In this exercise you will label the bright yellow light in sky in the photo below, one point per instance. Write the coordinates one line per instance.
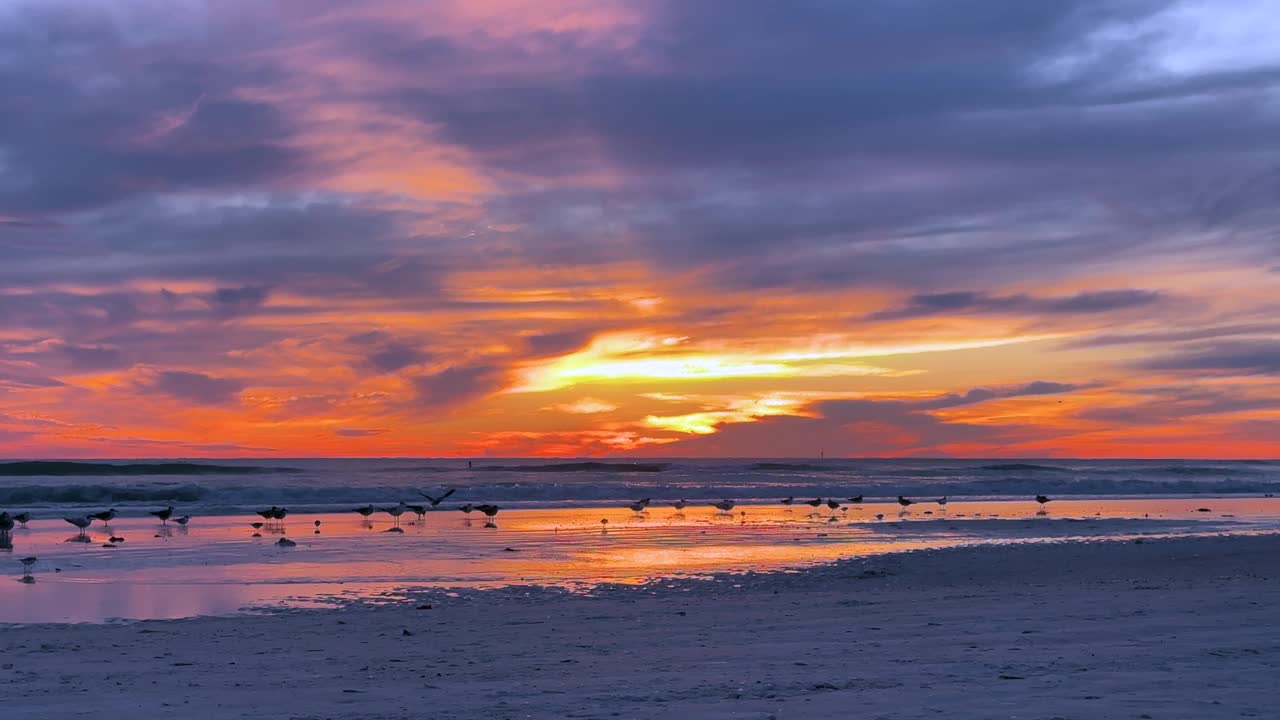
(626, 357)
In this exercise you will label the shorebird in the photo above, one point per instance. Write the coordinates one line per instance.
(279, 514)
(106, 516)
(268, 513)
(23, 518)
(679, 505)
(490, 511)
(724, 506)
(365, 511)
(832, 504)
(1042, 500)
(856, 499)
(396, 512)
(419, 510)
(164, 514)
(814, 502)
(80, 522)
(467, 508)
(638, 506)
(435, 501)
(27, 562)
(788, 500)
(905, 503)
(183, 520)
(942, 502)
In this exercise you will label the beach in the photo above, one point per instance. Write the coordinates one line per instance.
(1172, 628)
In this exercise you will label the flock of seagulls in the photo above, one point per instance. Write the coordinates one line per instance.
(273, 517)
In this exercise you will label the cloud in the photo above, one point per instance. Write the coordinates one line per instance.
(959, 303)
(456, 385)
(359, 432)
(585, 406)
(195, 387)
(1261, 357)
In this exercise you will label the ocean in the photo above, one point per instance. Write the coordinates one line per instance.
(327, 485)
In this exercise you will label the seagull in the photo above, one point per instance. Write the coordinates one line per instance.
(365, 511)
(467, 508)
(788, 500)
(396, 512)
(1042, 500)
(490, 511)
(814, 502)
(942, 501)
(435, 501)
(27, 562)
(23, 518)
(183, 520)
(833, 504)
(856, 499)
(418, 510)
(724, 506)
(904, 502)
(638, 506)
(80, 522)
(278, 513)
(267, 514)
(164, 514)
(679, 505)
(106, 516)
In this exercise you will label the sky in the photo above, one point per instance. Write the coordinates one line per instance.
(639, 228)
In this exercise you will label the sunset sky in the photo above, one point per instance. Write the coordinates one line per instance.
(676, 228)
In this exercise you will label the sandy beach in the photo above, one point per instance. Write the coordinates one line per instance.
(1180, 628)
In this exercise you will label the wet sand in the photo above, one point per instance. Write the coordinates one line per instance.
(1180, 628)
(215, 566)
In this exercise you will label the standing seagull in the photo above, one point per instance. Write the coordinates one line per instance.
(106, 516)
(1043, 500)
(365, 511)
(679, 505)
(419, 510)
(23, 518)
(396, 512)
(832, 504)
(788, 500)
(856, 499)
(639, 506)
(942, 502)
(279, 514)
(164, 514)
(724, 506)
(183, 520)
(490, 511)
(435, 501)
(80, 522)
(905, 503)
(467, 509)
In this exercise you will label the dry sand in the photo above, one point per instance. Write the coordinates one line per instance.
(1185, 628)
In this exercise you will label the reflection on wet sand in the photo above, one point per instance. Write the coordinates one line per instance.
(215, 566)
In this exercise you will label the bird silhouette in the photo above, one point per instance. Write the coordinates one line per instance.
(856, 499)
(80, 522)
(435, 501)
(164, 514)
(105, 516)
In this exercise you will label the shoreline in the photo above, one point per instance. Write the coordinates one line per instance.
(1177, 628)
